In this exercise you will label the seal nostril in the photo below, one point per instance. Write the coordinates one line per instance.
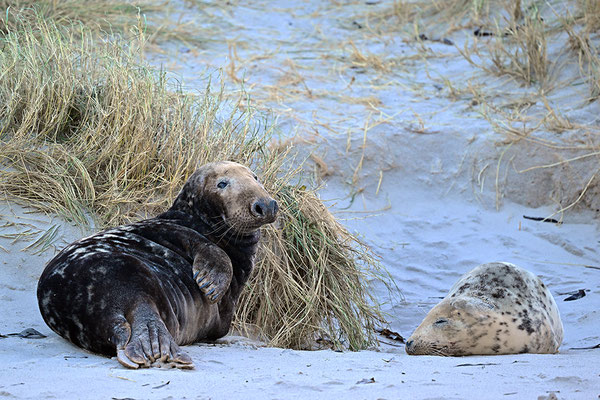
(258, 209)
(265, 209)
(409, 344)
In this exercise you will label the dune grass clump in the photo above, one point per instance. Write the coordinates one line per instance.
(590, 14)
(103, 15)
(89, 133)
(517, 47)
(516, 33)
(521, 50)
(583, 46)
(87, 130)
(314, 287)
(454, 12)
(159, 20)
(431, 18)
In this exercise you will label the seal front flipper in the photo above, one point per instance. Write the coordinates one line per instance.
(212, 271)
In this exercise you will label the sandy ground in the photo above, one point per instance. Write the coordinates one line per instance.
(423, 198)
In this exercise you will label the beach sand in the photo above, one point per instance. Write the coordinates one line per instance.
(421, 177)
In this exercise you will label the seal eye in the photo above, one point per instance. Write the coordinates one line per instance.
(255, 178)
(222, 184)
(441, 321)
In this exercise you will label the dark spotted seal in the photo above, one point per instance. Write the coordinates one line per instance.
(139, 291)
(497, 308)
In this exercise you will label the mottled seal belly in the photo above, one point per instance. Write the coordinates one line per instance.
(138, 291)
(497, 308)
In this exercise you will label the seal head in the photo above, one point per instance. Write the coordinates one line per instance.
(228, 197)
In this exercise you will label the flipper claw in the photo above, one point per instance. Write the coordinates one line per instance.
(206, 284)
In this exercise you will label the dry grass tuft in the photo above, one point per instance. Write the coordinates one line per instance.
(590, 14)
(128, 18)
(453, 14)
(103, 15)
(518, 47)
(314, 288)
(364, 59)
(88, 132)
(587, 55)
(521, 50)
(84, 127)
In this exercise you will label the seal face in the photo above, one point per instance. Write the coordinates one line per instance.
(497, 308)
(141, 290)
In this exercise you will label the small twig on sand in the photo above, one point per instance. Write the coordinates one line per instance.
(542, 219)
(585, 348)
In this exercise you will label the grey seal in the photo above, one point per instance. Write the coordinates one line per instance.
(497, 308)
(139, 291)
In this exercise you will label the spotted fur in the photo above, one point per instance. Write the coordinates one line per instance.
(139, 291)
(497, 308)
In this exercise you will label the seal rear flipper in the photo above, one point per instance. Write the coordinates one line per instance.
(212, 271)
(146, 342)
